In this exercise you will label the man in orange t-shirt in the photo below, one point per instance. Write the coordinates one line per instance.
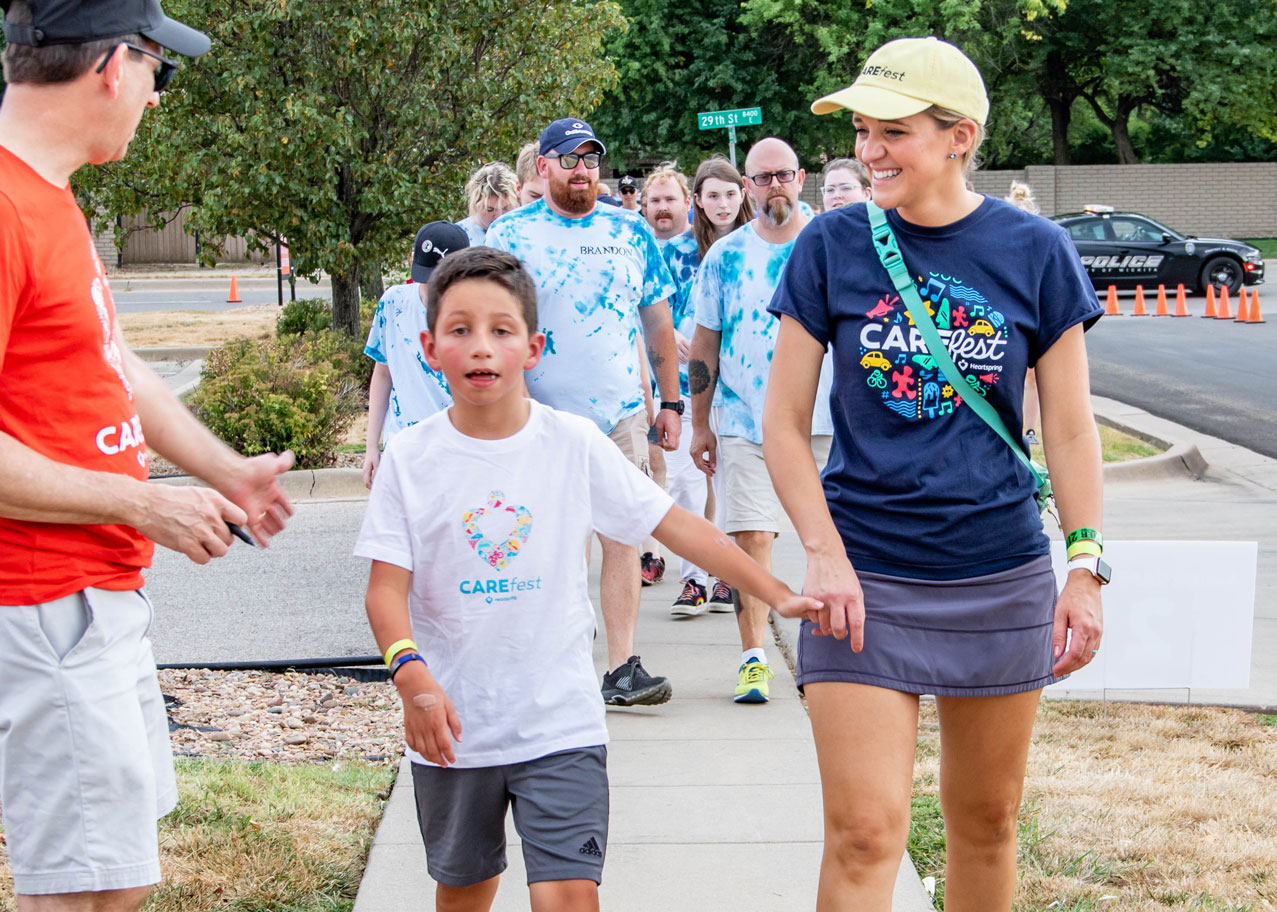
(85, 766)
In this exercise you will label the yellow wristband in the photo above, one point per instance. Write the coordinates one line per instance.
(396, 647)
(1085, 546)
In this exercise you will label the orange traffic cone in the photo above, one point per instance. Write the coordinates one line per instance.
(1181, 301)
(1255, 315)
(1211, 313)
(1243, 310)
(232, 297)
(1162, 310)
(1110, 308)
(1225, 312)
(1139, 302)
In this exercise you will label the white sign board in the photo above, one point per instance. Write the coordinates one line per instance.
(1177, 614)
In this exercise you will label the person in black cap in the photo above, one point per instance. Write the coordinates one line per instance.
(628, 188)
(85, 764)
(404, 389)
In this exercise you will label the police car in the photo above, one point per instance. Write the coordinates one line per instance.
(1125, 250)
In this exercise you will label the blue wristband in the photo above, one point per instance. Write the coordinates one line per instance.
(403, 660)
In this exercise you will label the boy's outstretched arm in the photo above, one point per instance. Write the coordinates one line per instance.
(430, 722)
(696, 539)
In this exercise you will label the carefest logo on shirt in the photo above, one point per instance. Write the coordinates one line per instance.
(895, 358)
(497, 532)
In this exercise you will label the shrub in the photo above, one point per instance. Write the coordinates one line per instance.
(274, 395)
(305, 315)
(312, 319)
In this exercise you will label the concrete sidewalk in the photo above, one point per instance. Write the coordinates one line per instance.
(715, 805)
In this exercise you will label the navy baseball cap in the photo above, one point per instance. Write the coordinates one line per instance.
(434, 242)
(566, 135)
(81, 21)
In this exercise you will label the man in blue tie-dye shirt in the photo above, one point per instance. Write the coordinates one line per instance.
(731, 355)
(599, 273)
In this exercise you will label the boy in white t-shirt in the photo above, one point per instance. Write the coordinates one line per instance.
(476, 528)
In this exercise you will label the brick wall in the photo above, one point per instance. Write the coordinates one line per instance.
(1229, 200)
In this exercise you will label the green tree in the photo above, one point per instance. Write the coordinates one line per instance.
(996, 34)
(678, 57)
(342, 125)
(1209, 64)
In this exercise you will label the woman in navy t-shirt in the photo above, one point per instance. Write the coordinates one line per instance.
(925, 544)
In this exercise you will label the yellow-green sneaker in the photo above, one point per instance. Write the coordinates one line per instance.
(751, 685)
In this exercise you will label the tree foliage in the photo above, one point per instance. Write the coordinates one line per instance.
(1210, 65)
(343, 125)
(680, 57)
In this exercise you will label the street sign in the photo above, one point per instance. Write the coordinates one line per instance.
(741, 117)
(713, 120)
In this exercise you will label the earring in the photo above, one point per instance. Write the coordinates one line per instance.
(953, 155)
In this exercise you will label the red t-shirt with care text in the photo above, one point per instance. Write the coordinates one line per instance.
(63, 391)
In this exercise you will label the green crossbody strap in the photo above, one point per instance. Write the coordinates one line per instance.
(892, 260)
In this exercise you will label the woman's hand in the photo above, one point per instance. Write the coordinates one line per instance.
(832, 582)
(1078, 611)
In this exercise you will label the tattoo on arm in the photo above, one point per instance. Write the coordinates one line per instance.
(698, 378)
(655, 359)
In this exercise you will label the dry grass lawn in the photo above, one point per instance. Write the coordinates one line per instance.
(257, 836)
(175, 329)
(1136, 807)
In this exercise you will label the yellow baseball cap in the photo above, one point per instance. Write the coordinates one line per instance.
(909, 75)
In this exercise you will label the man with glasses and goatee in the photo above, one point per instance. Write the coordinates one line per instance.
(85, 766)
(599, 273)
(731, 352)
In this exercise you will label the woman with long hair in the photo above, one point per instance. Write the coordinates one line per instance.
(719, 202)
(924, 541)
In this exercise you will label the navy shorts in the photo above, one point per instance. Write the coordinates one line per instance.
(560, 804)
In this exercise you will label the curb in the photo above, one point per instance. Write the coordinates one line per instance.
(304, 485)
(1182, 459)
(189, 353)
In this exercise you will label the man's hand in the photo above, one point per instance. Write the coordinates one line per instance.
(371, 459)
(704, 450)
(190, 520)
(669, 427)
(254, 487)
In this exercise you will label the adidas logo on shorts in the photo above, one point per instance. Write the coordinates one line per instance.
(591, 847)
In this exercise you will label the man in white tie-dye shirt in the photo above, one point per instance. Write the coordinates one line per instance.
(599, 273)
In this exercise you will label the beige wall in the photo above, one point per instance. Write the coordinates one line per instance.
(167, 244)
(1229, 200)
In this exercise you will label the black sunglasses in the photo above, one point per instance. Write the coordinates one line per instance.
(629, 189)
(163, 74)
(568, 160)
(765, 178)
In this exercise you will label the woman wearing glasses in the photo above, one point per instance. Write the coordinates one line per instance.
(924, 542)
(843, 182)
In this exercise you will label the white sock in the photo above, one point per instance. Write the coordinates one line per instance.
(748, 654)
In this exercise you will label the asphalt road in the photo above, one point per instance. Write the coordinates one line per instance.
(207, 294)
(1214, 376)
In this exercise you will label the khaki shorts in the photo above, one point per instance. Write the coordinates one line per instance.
(85, 764)
(630, 434)
(749, 499)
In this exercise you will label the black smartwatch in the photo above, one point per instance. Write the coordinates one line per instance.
(675, 407)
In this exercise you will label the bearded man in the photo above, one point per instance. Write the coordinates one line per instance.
(598, 273)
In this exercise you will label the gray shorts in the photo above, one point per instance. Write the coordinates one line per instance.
(560, 804)
(85, 765)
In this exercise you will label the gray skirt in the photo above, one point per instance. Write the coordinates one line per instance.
(977, 637)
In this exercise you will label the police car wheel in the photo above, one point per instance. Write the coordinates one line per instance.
(1224, 271)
